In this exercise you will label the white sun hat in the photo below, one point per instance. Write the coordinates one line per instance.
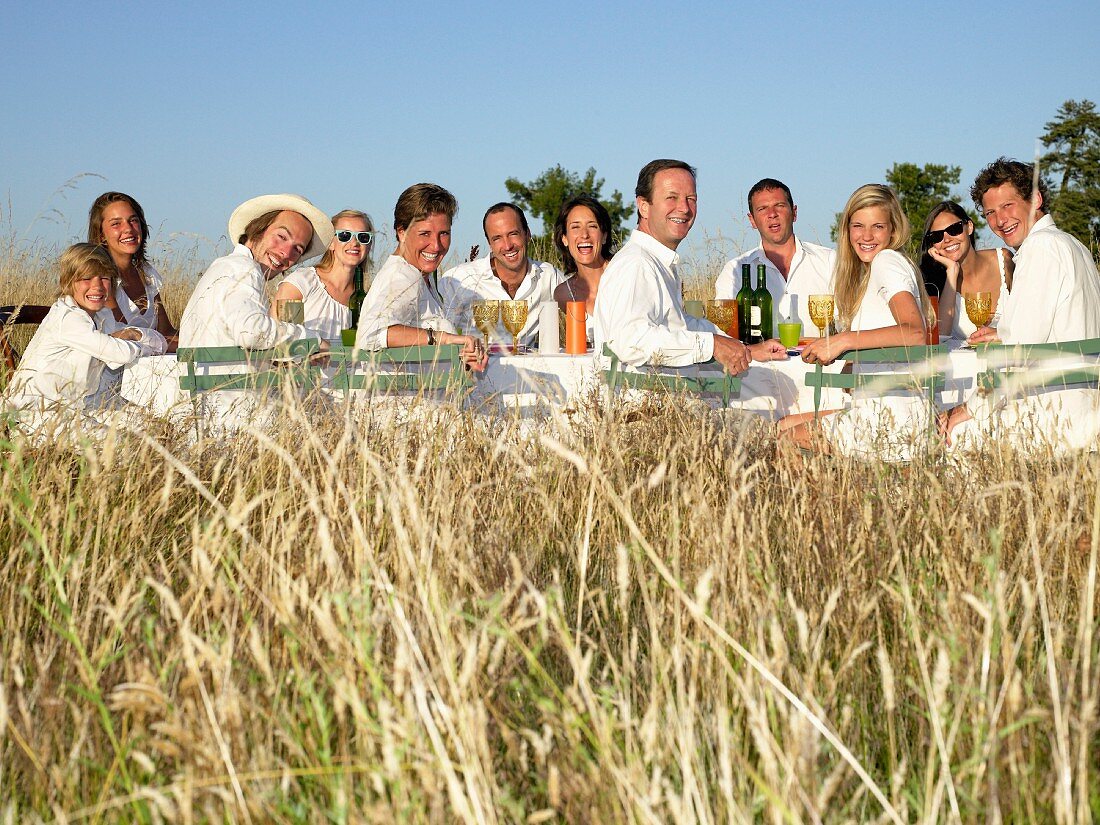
(254, 208)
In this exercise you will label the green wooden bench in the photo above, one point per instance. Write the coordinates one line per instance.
(720, 384)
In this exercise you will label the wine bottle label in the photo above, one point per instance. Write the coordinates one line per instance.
(754, 317)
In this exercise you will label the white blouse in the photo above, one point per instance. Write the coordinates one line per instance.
(324, 315)
(891, 274)
(399, 294)
(134, 315)
(962, 326)
(64, 360)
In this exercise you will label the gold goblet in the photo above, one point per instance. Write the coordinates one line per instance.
(722, 312)
(486, 315)
(979, 307)
(821, 312)
(514, 315)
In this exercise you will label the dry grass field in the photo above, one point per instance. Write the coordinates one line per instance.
(651, 617)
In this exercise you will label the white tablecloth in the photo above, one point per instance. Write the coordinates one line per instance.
(528, 383)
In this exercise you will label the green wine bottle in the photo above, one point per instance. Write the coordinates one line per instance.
(744, 304)
(355, 302)
(763, 299)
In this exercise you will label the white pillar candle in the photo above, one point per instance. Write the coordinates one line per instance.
(548, 329)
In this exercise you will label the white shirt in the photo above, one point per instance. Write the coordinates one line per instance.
(810, 273)
(134, 315)
(401, 295)
(639, 308)
(324, 315)
(891, 274)
(1055, 290)
(475, 281)
(63, 362)
(229, 308)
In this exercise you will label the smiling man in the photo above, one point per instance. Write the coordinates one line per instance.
(795, 269)
(1055, 297)
(228, 306)
(506, 275)
(639, 306)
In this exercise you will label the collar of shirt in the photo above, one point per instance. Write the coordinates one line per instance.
(668, 257)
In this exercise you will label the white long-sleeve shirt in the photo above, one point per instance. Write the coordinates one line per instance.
(64, 360)
(810, 273)
(639, 309)
(1055, 290)
(1055, 297)
(473, 281)
(229, 308)
(398, 295)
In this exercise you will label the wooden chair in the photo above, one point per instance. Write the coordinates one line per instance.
(400, 368)
(917, 370)
(1021, 365)
(9, 316)
(721, 384)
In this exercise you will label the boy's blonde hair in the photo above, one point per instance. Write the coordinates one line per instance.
(82, 261)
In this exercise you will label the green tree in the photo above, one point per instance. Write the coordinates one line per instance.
(1073, 169)
(544, 196)
(920, 188)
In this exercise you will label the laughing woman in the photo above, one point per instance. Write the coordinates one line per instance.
(582, 234)
(117, 222)
(881, 302)
(948, 256)
(326, 288)
(402, 307)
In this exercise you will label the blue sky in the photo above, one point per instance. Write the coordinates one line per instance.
(195, 107)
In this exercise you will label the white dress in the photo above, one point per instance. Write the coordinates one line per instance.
(400, 295)
(879, 425)
(324, 315)
(963, 326)
(57, 381)
(135, 316)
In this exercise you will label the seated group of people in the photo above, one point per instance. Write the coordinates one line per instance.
(1049, 292)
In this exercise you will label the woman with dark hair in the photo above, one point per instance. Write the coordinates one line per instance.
(949, 259)
(403, 307)
(116, 221)
(582, 234)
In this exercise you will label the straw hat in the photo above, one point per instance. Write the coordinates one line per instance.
(254, 208)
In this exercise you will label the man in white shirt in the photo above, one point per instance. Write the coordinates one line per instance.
(795, 269)
(229, 306)
(506, 275)
(639, 307)
(1055, 297)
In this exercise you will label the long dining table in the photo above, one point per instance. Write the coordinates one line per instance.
(528, 383)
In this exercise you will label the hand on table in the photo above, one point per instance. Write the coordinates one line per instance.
(948, 421)
(983, 335)
(473, 353)
(731, 354)
(825, 350)
(770, 350)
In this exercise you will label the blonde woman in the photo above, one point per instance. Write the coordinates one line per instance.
(326, 289)
(880, 302)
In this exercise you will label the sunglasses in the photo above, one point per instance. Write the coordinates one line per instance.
(345, 235)
(954, 231)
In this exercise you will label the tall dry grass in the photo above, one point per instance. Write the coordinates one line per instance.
(650, 617)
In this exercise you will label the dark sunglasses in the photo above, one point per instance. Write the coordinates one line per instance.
(345, 235)
(954, 231)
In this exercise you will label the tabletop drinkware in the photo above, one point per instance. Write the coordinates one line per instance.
(514, 316)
